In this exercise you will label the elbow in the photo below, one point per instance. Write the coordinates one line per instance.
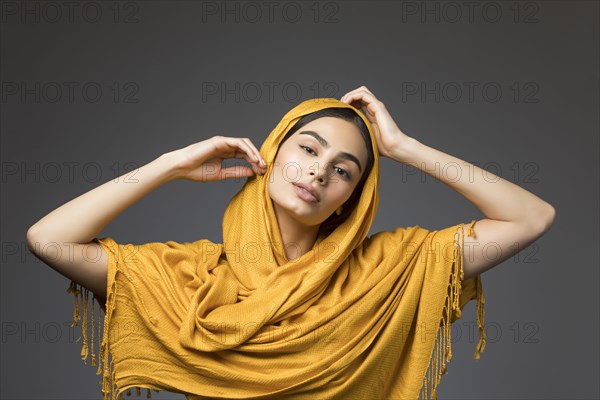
(33, 239)
(550, 216)
(545, 218)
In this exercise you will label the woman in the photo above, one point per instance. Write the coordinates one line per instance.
(297, 302)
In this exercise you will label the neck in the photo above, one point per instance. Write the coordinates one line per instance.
(297, 238)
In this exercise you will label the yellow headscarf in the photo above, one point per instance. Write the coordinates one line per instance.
(356, 317)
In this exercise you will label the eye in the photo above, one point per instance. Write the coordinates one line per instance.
(343, 172)
(309, 149)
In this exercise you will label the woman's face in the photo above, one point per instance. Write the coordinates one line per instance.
(327, 155)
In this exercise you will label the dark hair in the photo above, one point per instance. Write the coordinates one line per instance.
(350, 115)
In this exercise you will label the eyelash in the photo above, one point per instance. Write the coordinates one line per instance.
(344, 171)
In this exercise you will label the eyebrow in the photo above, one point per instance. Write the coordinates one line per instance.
(324, 143)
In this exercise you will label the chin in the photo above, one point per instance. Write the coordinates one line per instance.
(298, 211)
(301, 214)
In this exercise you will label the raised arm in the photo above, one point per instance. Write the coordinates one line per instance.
(62, 239)
(514, 217)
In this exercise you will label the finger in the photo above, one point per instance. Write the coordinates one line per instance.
(256, 165)
(247, 147)
(254, 154)
(367, 103)
(241, 149)
(255, 151)
(355, 100)
(359, 102)
(237, 171)
(243, 143)
(359, 95)
(362, 89)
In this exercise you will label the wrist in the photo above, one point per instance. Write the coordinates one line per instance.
(168, 163)
(406, 152)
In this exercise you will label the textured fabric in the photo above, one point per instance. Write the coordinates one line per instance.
(356, 317)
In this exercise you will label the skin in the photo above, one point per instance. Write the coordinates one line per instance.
(302, 158)
(514, 217)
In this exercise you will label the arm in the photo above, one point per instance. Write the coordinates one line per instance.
(62, 239)
(514, 217)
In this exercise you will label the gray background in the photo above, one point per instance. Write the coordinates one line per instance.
(159, 64)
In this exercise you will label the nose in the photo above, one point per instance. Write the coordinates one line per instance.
(318, 173)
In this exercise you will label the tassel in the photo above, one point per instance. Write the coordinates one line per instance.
(471, 232)
(84, 348)
(444, 341)
(480, 319)
(105, 388)
(447, 350)
(73, 289)
(138, 391)
(92, 340)
(148, 394)
(108, 390)
(480, 304)
(99, 336)
(435, 358)
(112, 378)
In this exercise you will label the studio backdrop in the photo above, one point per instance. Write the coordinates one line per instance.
(92, 90)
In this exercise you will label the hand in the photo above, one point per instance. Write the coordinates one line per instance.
(390, 138)
(202, 161)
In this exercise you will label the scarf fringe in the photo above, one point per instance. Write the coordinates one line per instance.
(110, 390)
(437, 366)
(80, 306)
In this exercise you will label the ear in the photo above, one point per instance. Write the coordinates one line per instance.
(339, 210)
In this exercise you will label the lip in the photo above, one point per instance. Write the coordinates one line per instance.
(312, 194)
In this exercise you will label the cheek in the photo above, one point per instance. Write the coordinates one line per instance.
(343, 192)
(282, 173)
(350, 189)
(338, 193)
(288, 170)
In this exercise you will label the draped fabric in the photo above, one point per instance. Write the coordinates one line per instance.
(356, 317)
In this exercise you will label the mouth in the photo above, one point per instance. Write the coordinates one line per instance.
(306, 193)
